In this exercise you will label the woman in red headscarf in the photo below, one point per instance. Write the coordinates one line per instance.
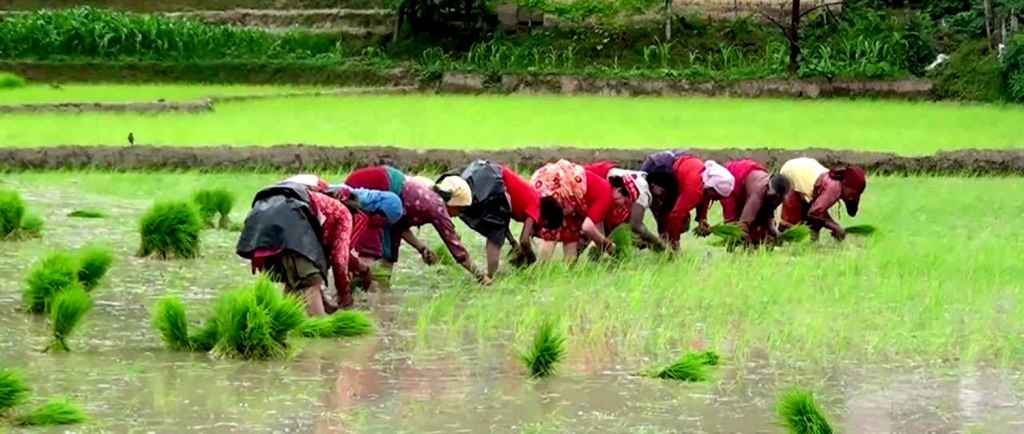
(815, 190)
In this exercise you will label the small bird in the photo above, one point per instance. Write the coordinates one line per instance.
(131, 139)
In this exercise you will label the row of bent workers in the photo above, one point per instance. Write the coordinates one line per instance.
(303, 226)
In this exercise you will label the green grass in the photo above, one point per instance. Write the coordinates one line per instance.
(45, 93)
(493, 122)
(10, 81)
(799, 414)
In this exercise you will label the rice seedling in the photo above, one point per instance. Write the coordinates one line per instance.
(860, 230)
(341, 324)
(799, 414)
(728, 231)
(171, 228)
(31, 227)
(86, 214)
(795, 234)
(54, 274)
(10, 80)
(692, 367)
(12, 211)
(13, 390)
(255, 322)
(93, 263)
(444, 257)
(622, 237)
(69, 307)
(380, 274)
(212, 202)
(547, 350)
(54, 412)
(206, 338)
(171, 321)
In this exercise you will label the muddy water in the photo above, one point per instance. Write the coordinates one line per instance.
(388, 383)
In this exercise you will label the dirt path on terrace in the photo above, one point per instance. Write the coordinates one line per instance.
(310, 158)
(200, 105)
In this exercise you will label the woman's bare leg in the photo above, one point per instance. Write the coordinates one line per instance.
(547, 250)
(569, 251)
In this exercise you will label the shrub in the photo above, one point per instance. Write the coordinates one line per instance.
(93, 263)
(799, 413)
(547, 350)
(56, 412)
(171, 228)
(212, 202)
(972, 73)
(54, 274)
(1013, 68)
(341, 324)
(69, 306)
(11, 81)
(12, 211)
(13, 390)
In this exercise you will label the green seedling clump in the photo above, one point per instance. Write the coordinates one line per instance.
(86, 214)
(10, 80)
(798, 412)
(53, 275)
(172, 323)
(860, 230)
(56, 412)
(69, 307)
(341, 324)
(622, 237)
(444, 256)
(547, 350)
(691, 367)
(12, 211)
(212, 202)
(31, 227)
(728, 231)
(795, 234)
(93, 264)
(171, 229)
(13, 390)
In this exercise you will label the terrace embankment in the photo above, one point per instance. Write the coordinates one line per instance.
(307, 157)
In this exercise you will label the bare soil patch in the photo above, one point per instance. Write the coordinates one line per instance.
(978, 162)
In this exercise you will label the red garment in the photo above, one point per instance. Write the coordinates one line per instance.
(259, 258)
(827, 192)
(688, 171)
(370, 242)
(598, 198)
(739, 169)
(423, 206)
(524, 199)
(601, 168)
(337, 226)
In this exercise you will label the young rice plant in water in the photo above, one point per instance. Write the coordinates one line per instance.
(15, 223)
(691, 367)
(860, 230)
(13, 390)
(341, 324)
(53, 275)
(795, 234)
(93, 264)
(69, 307)
(213, 202)
(171, 229)
(86, 214)
(55, 412)
(546, 352)
(798, 412)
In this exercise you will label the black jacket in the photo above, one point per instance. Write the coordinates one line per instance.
(491, 213)
(282, 217)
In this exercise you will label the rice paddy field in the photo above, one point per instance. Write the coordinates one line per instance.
(502, 122)
(916, 329)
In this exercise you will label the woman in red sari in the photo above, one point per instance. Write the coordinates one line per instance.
(586, 200)
(689, 184)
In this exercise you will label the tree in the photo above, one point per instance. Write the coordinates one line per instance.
(791, 29)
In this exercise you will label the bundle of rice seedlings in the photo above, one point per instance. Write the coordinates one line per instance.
(444, 256)
(31, 227)
(55, 412)
(69, 306)
(171, 228)
(860, 230)
(547, 350)
(798, 412)
(86, 214)
(171, 321)
(206, 338)
(728, 231)
(9, 80)
(255, 322)
(214, 201)
(341, 324)
(53, 275)
(622, 237)
(380, 274)
(12, 211)
(691, 367)
(795, 234)
(521, 258)
(93, 263)
(13, 390)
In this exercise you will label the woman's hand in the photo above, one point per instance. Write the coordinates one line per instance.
(429, 258)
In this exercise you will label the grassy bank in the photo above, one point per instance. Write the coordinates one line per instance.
(499, 122)
(42, 93)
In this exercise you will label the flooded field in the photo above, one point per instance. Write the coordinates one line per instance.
(439, 363)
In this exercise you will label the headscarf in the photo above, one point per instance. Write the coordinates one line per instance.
(312, 181)
(566, 182)
(384, 202)
(717, 177)
(854, 179)
(456, 189)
